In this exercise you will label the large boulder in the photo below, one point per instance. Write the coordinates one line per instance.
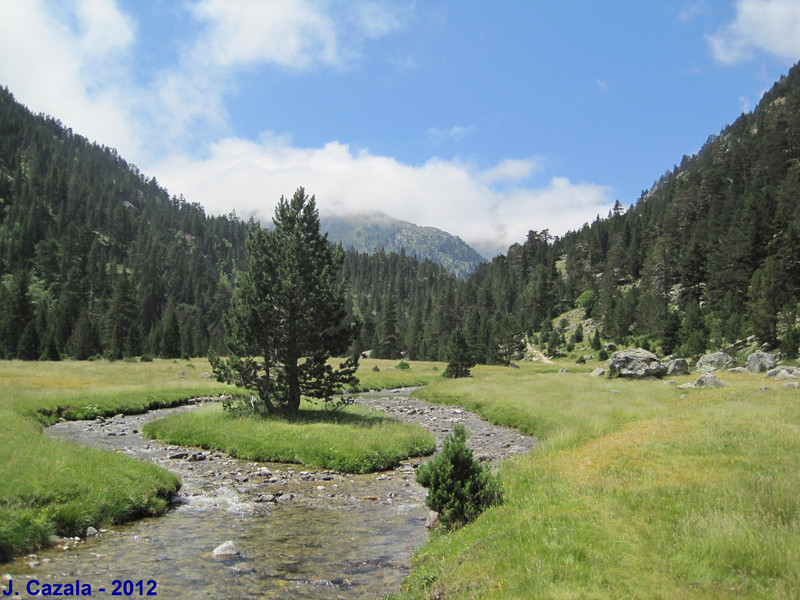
(636, 364)
(679, 366)
(783, 373)
(715, 361)
(760, 362)
(707, 380)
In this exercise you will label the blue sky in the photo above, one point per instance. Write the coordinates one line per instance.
(485, 119)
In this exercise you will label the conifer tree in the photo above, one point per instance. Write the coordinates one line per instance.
(171, 338)
(460, 357)
(288, 315)
(388, 343)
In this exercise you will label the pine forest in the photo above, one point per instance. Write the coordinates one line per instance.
(97, 260)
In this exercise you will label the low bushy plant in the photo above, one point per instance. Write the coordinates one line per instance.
(403, 365)
(459, 486)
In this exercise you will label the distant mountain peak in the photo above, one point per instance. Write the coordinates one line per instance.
(373, 231)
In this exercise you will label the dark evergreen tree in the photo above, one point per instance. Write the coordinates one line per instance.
(388, 341)
(460, 357)
(693, 332)
(171, 336)
(28, 346)
(85, 339)
(289, 314)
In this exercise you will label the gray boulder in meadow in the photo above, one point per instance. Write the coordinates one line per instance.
(679, 366)
(715, 361)
(707, 380)
(636, 364)
(760, 362)
(782, 373)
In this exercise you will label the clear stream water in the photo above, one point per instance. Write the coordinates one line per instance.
(328, 536)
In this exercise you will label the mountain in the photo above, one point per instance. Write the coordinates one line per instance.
(710, 254)
(376, 231)
(97, 259)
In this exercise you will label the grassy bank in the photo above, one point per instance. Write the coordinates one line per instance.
(353, 440)
(639, 490)
(49, 487)
(84, 390)
(383, 374)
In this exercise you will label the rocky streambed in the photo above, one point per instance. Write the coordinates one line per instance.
(296, 532)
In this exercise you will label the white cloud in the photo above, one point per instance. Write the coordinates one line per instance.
(511, 169)
(771, 26)
(289, 33)
(63, 60)
(70, 60)
(456, 132)
(297, 34)
(250, 177)
(104, 28)
(692, 11)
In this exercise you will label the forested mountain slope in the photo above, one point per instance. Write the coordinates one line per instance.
(97, 259)
(372, 232)
(710, 254)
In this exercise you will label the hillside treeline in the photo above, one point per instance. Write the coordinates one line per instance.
(709, 255)
(96, 258)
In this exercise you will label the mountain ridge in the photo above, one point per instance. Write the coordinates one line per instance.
(374, 231)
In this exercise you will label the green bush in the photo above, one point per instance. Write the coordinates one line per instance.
(403, 365)
(459, 487)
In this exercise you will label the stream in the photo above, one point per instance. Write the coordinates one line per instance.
(299, 532)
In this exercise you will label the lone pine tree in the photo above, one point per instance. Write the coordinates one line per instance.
(288, 314)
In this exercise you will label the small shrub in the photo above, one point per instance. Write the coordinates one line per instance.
(459, 487)
(581, 360)
(602, 355)
(376, 369)
(146, 358)
(403, 365)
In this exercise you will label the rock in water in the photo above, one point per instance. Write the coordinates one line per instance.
(225, 549)
(636, 364)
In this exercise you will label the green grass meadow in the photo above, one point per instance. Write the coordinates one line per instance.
(353, 440)
(637, 490)
(48, 487)
(350, 440)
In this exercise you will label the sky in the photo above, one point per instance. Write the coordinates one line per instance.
(485, 119)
